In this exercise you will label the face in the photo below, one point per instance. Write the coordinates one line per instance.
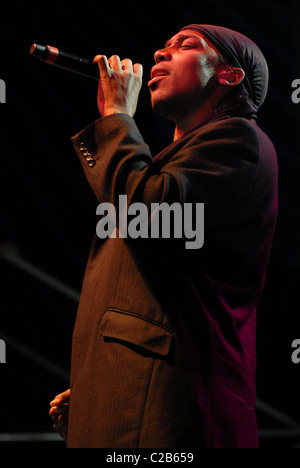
(184, 75)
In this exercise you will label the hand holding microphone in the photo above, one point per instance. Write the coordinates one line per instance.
(119, 83)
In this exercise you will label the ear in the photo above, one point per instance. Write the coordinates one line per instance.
(231, 77)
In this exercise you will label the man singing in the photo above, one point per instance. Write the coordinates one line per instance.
(164, 352)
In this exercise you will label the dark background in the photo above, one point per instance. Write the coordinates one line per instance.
(47, 211)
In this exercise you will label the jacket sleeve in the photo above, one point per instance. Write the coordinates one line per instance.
(216, 165)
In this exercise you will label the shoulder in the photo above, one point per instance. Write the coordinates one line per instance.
(231, 128)
(236, 133)
(231, 137)
(242, 130)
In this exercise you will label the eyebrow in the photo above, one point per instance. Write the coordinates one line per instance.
(180, 38)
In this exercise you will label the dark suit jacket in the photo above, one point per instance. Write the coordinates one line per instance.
(164, 343)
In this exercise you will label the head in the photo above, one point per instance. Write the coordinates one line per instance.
(198, 68)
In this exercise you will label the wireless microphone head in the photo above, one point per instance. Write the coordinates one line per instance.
(39, 51)
(65, 60)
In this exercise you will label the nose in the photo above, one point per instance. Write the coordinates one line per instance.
(162, 55)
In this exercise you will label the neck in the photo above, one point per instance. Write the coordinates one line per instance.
(189, 122)
(206, 112)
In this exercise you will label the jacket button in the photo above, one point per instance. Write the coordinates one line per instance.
(92, 163)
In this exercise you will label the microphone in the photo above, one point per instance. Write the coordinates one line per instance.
(59, 58)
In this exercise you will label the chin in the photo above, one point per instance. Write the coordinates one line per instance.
(165, 106)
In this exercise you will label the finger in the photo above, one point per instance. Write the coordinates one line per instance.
(58, 401)
(105, 71)
(138, 70)
(61, 421)
(61, 399)
(115, 63)
(58, 410)
(61, 425)
(127, 65)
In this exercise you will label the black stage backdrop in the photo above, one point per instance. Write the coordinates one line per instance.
(47, 210)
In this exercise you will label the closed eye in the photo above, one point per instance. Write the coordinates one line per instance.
(185, 46)
(184, 42)
(189, 44)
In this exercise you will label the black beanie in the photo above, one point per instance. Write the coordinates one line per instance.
(239, 51)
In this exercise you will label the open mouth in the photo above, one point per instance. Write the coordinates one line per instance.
(156, 75)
